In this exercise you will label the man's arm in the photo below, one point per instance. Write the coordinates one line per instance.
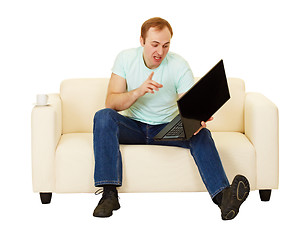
(117, 96)
(119, 99)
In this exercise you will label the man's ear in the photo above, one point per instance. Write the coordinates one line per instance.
(142, 42)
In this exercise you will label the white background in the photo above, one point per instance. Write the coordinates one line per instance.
(44, 42)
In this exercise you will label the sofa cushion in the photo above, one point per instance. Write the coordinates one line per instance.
(161, 168)
(82, 98)
(230, 117)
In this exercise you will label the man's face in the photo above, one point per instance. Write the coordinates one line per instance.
(156, 46)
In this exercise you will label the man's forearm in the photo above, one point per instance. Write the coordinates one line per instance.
(122, 101)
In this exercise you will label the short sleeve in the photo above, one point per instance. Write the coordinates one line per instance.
(185, 80)
(118, 66)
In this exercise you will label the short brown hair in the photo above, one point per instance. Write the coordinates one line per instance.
(156, 22)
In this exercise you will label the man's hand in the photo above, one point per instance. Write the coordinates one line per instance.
(148, 86)
(203, 125)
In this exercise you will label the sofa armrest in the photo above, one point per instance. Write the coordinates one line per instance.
(46, 130)
(262, 129)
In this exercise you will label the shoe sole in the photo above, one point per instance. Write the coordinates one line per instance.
(240, 193)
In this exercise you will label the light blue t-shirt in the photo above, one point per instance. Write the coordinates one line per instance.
(173, 73)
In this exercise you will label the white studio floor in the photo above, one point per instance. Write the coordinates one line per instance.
(150, 216)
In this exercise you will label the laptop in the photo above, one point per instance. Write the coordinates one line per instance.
(198, 104)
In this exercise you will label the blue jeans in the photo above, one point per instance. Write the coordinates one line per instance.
(112, 129)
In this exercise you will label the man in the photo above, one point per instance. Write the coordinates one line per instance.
(146, 82)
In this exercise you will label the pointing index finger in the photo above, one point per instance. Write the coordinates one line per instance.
(150, 75)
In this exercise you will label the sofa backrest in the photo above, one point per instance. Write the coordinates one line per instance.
(82, 98)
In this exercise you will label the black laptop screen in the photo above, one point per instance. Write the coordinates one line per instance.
(206, 96)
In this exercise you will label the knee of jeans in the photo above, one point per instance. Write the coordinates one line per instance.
(204, 134)
(103, 117)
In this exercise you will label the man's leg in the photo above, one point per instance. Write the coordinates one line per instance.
(203, 149)
(206, 157)
(228, 198)
(111, 129)
(208, 161)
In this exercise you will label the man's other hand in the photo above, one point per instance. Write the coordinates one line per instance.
(203, 125)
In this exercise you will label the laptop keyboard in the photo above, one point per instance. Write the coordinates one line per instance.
(176, 130)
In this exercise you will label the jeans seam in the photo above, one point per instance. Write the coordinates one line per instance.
(118, 159)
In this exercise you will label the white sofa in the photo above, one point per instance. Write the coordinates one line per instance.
(245, 131)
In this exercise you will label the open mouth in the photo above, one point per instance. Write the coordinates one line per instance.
(157, 58)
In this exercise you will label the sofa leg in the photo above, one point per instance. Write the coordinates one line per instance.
(265, 195)
(45, 197)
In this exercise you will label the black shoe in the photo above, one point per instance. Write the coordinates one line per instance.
(234, 196)
(107, 204)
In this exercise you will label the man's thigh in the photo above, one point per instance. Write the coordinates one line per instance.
(129, 131)
(125, 129)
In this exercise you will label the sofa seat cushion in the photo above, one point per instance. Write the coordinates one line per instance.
(160, 168)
